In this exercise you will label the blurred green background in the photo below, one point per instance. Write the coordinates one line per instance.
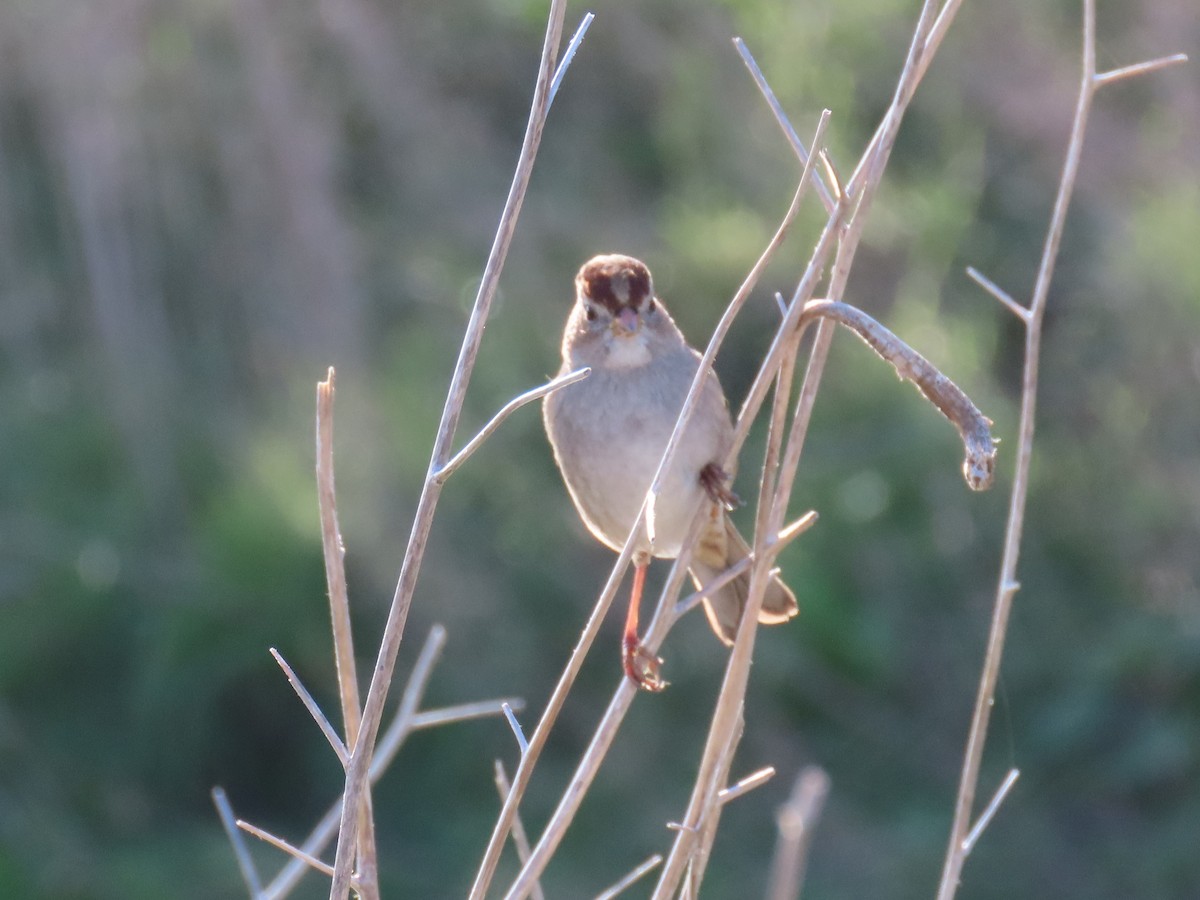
(204, 204)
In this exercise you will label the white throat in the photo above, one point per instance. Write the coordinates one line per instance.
(628, 352)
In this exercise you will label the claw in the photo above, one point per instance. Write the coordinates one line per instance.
(713, 479)
(642, 666)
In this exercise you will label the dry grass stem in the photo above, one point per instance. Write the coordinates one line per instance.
(789, 132)
(360, 759)
(860, 192)
(747, 784)
(406, 721)
(519, 837)
(241, 852)
(990, 810)
(999, 293)
(660, 624)
(343, 641)
(313, 709)
(776, 546)
(633, 877)
(517, 731)
(290, 849)
(795, 822)
(507, 410)
(569, 54)
(462, 712)
(1142, 68)
(1007, 583)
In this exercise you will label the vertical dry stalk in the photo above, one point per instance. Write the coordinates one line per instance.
(860, 191)
(360, 758)
(664, 618)
(795, 821)
(1007, 585)
(343, 641)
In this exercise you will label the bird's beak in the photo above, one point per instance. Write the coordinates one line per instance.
(626, 322)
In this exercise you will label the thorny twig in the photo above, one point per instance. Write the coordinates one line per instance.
(1007, 585)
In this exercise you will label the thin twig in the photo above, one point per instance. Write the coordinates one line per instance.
(733, 686)
(1142, 68)
(989, 811)
(339, 614)
(313, 710)
(290, 849)
(785, 537)
(517, 731)
(462, 712)
(240, 851)
(640, 872)
(335, 570)
(1007, 584)
(519, 837)
(747, 784)
(568, 55)
(507, 410)
(796, 820)
(998, 292)
(781, 118)
(405, 722)
(704, 831)
(619, 704)
(385, 664)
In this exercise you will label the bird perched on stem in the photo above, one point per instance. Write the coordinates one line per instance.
(609, 432)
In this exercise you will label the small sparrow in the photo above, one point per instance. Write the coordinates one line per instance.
(609, 431)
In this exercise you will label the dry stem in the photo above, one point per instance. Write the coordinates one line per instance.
(1007, 585)
(343, 642)
(795, 821)
(360, 757)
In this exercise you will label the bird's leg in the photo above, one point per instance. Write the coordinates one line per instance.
(640, 664)
(715, 482)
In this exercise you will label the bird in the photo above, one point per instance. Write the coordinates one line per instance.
(608, 432)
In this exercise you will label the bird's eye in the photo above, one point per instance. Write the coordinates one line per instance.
(651, 306)
(590, 313)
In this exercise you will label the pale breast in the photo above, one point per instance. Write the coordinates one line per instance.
(609, 432)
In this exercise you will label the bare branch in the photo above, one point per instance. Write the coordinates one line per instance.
(520, 838)
(784, 538)
(507, 410)
(796, 820)
(747, 784)
(569, 55)
(1142, 68)
(989, 811)
(357, 774)
(463, 712)
(516, 728)
(389, 745)
(313, 710)
(640, 872)
(999, 293)
(781, 117)
(623, 696)
(240, 851)
(291, 849)
(339, 613)
(1007, 583)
